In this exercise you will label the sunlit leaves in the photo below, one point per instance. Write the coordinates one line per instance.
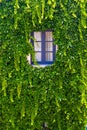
(4, 85)
(56, 94)
(37, 9)
(83, 13)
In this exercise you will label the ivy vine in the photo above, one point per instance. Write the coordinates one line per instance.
(56, 94)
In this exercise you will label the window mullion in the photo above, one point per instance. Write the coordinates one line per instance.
(43, 47)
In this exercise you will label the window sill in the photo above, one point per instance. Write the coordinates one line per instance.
(41, 66)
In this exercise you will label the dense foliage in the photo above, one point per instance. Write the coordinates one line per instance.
(55, 94)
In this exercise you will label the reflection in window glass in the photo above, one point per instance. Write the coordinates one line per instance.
(37, 36)
(49, 46)
(38, 56)
(49, 56)
(37, 46)
(48, 36)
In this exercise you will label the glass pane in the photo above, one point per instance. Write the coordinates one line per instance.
(48, 36)
(49, 56)
(38, 56)
(37, 46)
(37, 36)
(48, 46)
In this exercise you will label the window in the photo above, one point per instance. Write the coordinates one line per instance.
(44, 48)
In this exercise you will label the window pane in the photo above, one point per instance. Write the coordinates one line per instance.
(49, 56)
(48, 36)
(37, 36)
(38, 56)
(37, 46)
(48, 46)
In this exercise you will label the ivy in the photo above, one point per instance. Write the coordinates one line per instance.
(57, 94)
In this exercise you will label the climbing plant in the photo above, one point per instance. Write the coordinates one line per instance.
(56, 94)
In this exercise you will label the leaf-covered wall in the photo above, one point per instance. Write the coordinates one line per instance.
(55, 94)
